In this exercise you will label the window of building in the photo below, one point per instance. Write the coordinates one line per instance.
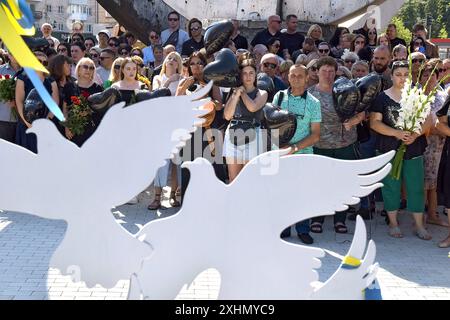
(89, 28)
(60, 9)
(90, 11)
(84, 10)
(49, 8)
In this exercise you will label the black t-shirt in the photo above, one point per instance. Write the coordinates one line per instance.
(72, 89)
(190, 46)
(292, 42)
(444, 109)
(397, 41)
(264, 36)
(240, 42)
(390, 110)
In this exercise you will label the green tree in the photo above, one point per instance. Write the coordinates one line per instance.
(443, 33)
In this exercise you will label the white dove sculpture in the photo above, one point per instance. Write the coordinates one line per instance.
(236, 230)
(81, 185)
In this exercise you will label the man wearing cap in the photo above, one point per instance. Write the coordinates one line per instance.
(307, 111)
(46, 30)
(269, 65)
(8, 121)
(102, 38)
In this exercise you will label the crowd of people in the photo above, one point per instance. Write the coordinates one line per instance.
(303, 69)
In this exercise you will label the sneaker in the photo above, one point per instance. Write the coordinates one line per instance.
(133, 201)
(363, 212)
(305, 238)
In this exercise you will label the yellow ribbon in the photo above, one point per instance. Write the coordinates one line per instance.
(351, 261)
(15, 44)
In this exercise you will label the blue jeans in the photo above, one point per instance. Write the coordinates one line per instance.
(300, 227)
(26, 140)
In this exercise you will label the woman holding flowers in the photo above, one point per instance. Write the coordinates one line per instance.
(435, 140)
(444, 165)
(76, 96)
(384, 115)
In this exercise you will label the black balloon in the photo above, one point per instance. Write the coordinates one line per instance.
(346, 98)
(101, 101)
(369, 87)
(264, 82)
(217, 35)
(224, 71)
(283, 121)
(34, 108)
(142, 95)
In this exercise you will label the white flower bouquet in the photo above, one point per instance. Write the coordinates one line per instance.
(415, 107)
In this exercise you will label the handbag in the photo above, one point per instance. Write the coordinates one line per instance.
(242, 132)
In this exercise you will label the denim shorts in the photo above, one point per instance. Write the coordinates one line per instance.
(245, 152)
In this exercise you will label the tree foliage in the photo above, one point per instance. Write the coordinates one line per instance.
(438, 11)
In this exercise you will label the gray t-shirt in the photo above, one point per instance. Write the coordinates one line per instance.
(332, 133)
(5, 110)
(183, 36)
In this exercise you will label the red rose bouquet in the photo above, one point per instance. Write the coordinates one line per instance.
(80, 114)
(7, 88)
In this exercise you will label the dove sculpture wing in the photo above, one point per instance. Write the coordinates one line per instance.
(236, 230)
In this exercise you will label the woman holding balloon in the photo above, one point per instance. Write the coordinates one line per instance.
(243, 138)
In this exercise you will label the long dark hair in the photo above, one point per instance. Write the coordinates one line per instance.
(56, 67)
(334, 41)
(196, 54)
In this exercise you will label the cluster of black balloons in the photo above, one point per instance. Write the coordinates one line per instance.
(354, 96)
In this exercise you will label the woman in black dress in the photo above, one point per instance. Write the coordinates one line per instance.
(129, 82)
(84, 86)
(59, 68)
(443, 187)
(23, 88)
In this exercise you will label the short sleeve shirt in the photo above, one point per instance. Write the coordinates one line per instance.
(307, 110)
(332, 133)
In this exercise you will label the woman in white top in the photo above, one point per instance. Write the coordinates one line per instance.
(170, 73)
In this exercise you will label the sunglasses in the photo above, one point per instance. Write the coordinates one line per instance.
(359, 42)
(44, 62)
(173, 19)
(418, 60)
(418, 43)
(117, 67)
(199, 63)
(112, 44)
(62, 50)
(443, 70)
(155, 37)
(313, 69)
(324, 50)
(270, 65)
(195, 28)
(135, 53)
(86, 67)
(124, 53)
(76, 39)
(103, 58)
(349, 61)
(94, 55)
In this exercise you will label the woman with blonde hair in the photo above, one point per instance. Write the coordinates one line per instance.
(170, 73)
(114, 75)
(315, 32)
(129, 80)
(143, 71)
(284, 70)
(84, 86)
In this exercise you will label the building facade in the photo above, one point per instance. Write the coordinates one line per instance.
(62, 13)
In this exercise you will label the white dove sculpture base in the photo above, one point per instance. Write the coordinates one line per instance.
(214, 230)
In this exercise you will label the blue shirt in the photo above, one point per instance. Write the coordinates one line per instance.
(307, 109)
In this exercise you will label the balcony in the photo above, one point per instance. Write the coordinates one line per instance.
(37, 15)
(78, 16)
(79, 2)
